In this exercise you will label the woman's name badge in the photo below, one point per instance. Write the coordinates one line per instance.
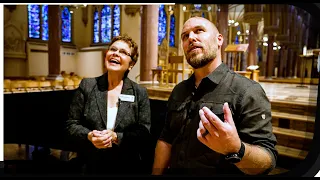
(125, 97)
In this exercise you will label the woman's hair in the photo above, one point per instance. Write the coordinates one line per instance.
(133, 45)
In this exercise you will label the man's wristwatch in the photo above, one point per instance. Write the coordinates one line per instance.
(236, 157)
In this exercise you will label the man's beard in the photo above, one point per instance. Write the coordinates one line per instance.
(199, 61)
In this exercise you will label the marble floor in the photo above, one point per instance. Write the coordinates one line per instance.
(284, 92)
(294, 93)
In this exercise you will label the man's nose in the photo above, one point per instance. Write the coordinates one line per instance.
(192, 36)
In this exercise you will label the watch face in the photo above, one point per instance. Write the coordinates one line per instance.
(236, 157)
(233, 158)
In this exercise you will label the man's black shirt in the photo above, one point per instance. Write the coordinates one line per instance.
(251, 111)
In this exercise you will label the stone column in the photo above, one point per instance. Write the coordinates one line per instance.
(271, 27)
(306, 21)
(253, 14)
(305, 37)
(290, 66)
(253, 33)
(298, 49)
(222, 25)
(54, 22)
(179, 29)
(149, 41)
(283, 39)
(283, 60)
(270, 58)
(292, 41)
(313, 35)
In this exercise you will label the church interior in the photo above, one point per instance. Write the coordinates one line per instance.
(49, 49)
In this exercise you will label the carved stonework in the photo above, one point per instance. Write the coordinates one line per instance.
(252, 18)
(131, 10)
(11, 7)
(196, 14)
(293, 46)
(163, 52)
(14, 42)
(286, 43)
(85, 15)
(282, 37)
(271, 30)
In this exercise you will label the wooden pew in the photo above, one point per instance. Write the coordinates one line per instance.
(293, 121)
(291, 152)
(7, 86)
(32, 86)
(45, 86)
(293, 125)
(18, 86)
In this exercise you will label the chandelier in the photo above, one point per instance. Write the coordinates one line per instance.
(72, 7)
(75, 6)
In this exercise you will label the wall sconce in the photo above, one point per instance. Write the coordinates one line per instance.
(265, 39)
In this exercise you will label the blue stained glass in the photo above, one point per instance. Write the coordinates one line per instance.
(44, 25)
(106, 24)
(96, 24)
(116, 21)
(203, 14)
(237, 40)
(162, 24)
(66, 25)
(34, 21)
(172, 30)
(197, 6)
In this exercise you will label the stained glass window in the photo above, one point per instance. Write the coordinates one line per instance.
(96, 24)
(236, 40)
(116, 21)
(44, 25)
(162, 24)
(38, 25)
(34, 21)
(172, 30)
(106, 24)
(197, 6)
(66, 25)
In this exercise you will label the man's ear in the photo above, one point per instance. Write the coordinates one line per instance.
(220, 39)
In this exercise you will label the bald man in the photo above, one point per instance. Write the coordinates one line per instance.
(218, 122)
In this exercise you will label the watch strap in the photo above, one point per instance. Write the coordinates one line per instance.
(236, 156)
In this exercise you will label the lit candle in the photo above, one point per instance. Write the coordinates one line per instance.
(304, 50)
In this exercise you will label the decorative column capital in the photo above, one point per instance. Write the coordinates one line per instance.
(85, 15)
(132, 10)
(283, 37)
(271, 30)
(252, 17)
(11, 7)
(293, 46)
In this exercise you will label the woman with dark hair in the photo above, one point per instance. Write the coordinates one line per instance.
(109, 117)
